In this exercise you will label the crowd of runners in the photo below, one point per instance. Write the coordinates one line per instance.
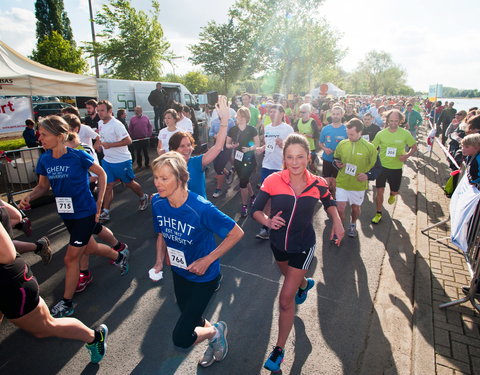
(303, 151)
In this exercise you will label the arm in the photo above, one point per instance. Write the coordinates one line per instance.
(413, 149)
(7, 250)
(39, 190)
(160, 149)
(213, 152)
(201, 265)
(161, 250)
(101, 186)
(124, 142)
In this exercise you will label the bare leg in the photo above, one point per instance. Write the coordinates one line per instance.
(379, 198)
(108, 197)
(341, 209)
(93, 247)
(245, 196)
(205, 332)
(24, 247)
(355, 212)
(72, 269)
(220, 178)
(135, 187)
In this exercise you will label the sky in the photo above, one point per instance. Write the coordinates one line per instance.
(433, 41)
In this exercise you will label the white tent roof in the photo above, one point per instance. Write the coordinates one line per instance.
(332, 90)
(22, 76)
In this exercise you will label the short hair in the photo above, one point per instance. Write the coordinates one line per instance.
(247, 94)
(472, 140)
(29, 122)
(120, 112)
(72, 120)
(401, 116)
(91, 102)
(305, 107)
(186, 108)
(473, 123)
(106, 103)
(355, 123)
(55, 125)
(337, 106)
(244, 112)
(296, 139)
(278, 107)
(368, 114)
(177, 164)
(72, 110)
(176, 139)
(173, 113)
(177, 107)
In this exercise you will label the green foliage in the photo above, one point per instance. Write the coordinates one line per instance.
(12, 144)
(56, 52)
(132, 43)
(451, 92)
(196, 82)
(51, 16)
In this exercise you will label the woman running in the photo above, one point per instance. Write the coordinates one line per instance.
(65, 170)
(21, 303)
(186, 224)
(294, 193)
(244, 140)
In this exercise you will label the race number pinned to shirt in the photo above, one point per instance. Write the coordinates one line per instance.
(366, 137)
(269, 144)
(64, 205)
(391, 152)
(177, 258)
(238, 155)
(351, 169)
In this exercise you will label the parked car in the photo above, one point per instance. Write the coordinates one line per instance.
(49, 108)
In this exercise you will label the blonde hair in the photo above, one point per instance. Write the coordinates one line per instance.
(472, 140)
(55, 125)
(177, 164)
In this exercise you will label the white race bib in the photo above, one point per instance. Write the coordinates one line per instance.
(64, 205)
(366, 137)
(177, 258)
(351, 169)
(391, 152)
(269, 144)
(238, 155)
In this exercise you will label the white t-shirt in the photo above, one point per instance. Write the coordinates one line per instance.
(185, 125)
(87, 135)
(273, 154)
(114, 131)
(164, 136)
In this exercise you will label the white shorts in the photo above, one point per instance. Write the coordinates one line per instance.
(350, 196)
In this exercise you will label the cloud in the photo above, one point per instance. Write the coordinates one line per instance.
(17, 29)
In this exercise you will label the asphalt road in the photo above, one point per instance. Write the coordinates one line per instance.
(330, 330)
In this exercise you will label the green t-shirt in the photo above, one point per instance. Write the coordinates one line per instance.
(254, 116)
(392, 145)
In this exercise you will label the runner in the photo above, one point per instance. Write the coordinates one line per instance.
(294, 193)
(22, 305)
(65, 170)
(392, 142)
(184, 143)
(170, 117)
(186, 224)
(243, 139)
(354, 157)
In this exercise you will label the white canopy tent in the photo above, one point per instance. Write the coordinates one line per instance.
(332, 90)
(20, 76)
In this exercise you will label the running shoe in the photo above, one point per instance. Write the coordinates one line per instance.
(61, 310)
(143, 202)
(352, 231)
(229, 177)
(217, 193)
(83, 281)
(391, 199)
(301, 295)
(208, 358)
(123, 265)
(264, 234)
(220, 344)
(104, 216)
(244, 211)
(45, 252)
(275, 359)
(98, 348)
(376, 219)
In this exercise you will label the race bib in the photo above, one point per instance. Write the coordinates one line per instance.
(269, 144)
(64, 205)
(177, 258)
(351, 169)
(238, 155)
(391, 152)
(366, 137)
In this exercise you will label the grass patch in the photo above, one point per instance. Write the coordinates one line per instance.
(12, 144)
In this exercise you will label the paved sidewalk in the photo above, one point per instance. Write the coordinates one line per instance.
(455, 330)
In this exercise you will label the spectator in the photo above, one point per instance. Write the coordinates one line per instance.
(29, 134)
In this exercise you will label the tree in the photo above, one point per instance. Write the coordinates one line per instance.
(51, 16)
(195, 82)
(132, 44)
(221, 51)
(58, 53)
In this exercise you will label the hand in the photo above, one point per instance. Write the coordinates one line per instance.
(277, 221)
(24, 203)
(362, 177)
(199, 267)
(222, 108)
(327, 150)
(98, 145)
(245, 149)
(337, 231)
(158, 267)
(279, 142)
(106, 145)
(339, 164)
(403, 158)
